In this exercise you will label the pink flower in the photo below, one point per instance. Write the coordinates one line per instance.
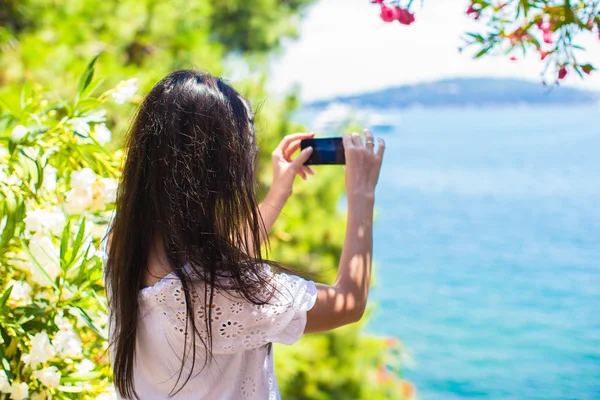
(513, 58)
(377, 1)
(388, 14)
(404, 16)
(562, 72)
(472, 10)
(548, 37)
(590, 24)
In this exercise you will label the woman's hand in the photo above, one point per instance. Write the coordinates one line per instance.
(362, 164)
(285, 169)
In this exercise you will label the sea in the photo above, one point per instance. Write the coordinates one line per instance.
(487, 251)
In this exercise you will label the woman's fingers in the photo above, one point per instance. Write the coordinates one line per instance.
(289, 139)
(380, 148)
(299, 161)
(291, 149)
(308, 170)
(356, 139)
(369, 140)
(347, 141)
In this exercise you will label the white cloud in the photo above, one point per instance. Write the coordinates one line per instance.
(345, 48)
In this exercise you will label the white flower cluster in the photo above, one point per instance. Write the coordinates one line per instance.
(49, 182)
(89, 192)
(41, 224)
(125, 90)
(20, 294)
(17, 391)
(102, 134)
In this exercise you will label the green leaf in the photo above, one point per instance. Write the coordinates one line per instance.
(80, 376)
(11, 204)
(5, 296)
(64, 241)
(483, 51)
(10, 108)
(26, 93)
(78, 240)
(88, 321)
(85, 79)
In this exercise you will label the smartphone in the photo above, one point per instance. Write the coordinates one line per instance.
(325, 151)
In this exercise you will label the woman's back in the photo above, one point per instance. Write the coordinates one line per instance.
(242, 362)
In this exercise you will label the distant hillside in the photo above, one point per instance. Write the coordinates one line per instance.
(467, 92)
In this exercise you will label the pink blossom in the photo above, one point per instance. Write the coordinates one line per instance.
(562, 72)
(472, 10)
(513, 58)
(548, 37)
(388, 14)
(404, 16)
(377, 1)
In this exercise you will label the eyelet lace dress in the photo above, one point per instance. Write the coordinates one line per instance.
(242, 364)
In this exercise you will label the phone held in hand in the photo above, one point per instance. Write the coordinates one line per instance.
(325, 151)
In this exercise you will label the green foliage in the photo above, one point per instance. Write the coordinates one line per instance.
(56, 285)
(57, 186)
(546, 27)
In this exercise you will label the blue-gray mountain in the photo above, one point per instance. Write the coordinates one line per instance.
(467, 92)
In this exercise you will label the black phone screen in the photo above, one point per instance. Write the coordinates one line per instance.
(325, 151)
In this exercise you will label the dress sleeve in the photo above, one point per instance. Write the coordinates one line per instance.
(243, 326)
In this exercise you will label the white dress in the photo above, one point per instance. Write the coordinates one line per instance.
(242, 366)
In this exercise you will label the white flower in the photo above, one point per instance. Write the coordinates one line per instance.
(67, 343)
(125, 90)
(47, 256)
(77, 204)
(49, 178)
(102, 134)
(85, 366)
(80, 126)
(13, 180)
(62, 322)
(19, 391)
(4, 384)
(41, 221)
(41, 350)
(18, 133)
(21, 292)
(83, 180)
(110, 190)
(81, 196)
(110, 395)
(49, 376)
(38, 396)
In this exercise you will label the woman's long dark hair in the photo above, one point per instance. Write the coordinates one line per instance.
(188, 181)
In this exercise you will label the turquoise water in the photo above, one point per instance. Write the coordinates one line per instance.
(487, 250)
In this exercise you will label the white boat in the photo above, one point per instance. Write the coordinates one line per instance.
(333, 118)
(382, 123)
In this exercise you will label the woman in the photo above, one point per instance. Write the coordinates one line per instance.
(194, 305)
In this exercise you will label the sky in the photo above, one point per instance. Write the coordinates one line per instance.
(345, 48)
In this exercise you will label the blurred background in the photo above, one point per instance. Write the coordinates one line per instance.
(487, 244)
